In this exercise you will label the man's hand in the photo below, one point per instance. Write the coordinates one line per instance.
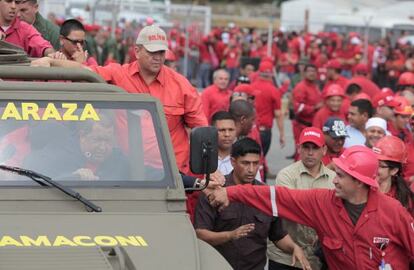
(282, 141)
(217, 178)
(299, 255)
(242, 231)
(41, 62)
(2, 35)
(86, 174)
(57, 55)
(218, 198)
(80, 55)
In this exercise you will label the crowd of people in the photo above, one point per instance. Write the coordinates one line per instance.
(351, 110)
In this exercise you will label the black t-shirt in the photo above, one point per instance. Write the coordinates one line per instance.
(354, 210)
(244, 253)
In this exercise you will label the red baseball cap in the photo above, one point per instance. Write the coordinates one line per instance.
(313, 135)
(384, 99)
(362, 96)
(266, 66)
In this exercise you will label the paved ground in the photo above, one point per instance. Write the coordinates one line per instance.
(276, 158)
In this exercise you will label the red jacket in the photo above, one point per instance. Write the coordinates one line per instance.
(305, 96)
(267, 101)
(345, 246)
(408, 168)
(323, 114)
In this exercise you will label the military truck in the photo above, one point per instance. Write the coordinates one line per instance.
(88, 179)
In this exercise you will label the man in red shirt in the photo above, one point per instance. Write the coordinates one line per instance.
(307, 100)
(334, 96)
(20, 33)
(216, 97)
(268, 106)
(398, 125)
(335, 134)
(333, 74)
(148, 75)
(358, 227)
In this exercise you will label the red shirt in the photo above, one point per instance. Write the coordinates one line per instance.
(408, 168)
(345, 245)
(327, 158)
(267, 101)
(27, 37)
(323, 114)
(214, 100)
(403, 134)
(368, 86)
(232, 57)
(305, 96)
(181, 102)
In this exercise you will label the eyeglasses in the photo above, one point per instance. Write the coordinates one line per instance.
(76, 41)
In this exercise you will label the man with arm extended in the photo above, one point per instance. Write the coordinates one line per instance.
(240, 232)
(359, 228)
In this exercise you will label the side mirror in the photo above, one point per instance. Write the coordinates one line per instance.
(203, 150)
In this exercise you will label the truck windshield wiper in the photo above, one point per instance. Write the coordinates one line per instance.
(40, 179)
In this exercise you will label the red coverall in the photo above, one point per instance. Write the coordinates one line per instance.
(305, 96)
(346, 246)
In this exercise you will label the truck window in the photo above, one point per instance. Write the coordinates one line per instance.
(84, 143)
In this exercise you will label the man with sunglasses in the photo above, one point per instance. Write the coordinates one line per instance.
(72, 41)
(28, 11)
(20, 33)
(148, 75)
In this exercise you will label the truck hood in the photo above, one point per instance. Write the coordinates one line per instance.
(98, 241)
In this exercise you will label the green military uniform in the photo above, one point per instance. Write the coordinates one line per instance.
(48, 30)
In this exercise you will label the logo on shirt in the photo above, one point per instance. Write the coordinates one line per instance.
(381, 242)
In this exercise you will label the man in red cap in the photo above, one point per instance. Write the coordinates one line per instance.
(358, 227)
(398, 126)
(333, 96)
(406, 82)
(308, 172)
(384, 104)
(307, 101)
(333, 74)
(268, 106)
(216, 97)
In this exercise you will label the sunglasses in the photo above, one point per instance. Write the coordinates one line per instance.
(76, 41)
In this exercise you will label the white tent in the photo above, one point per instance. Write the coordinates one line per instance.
(377, 13)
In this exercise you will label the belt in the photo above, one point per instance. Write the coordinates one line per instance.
(263, 128)
(303, 122)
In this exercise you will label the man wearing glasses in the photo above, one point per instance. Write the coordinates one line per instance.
(20, 33)
(72, 40)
